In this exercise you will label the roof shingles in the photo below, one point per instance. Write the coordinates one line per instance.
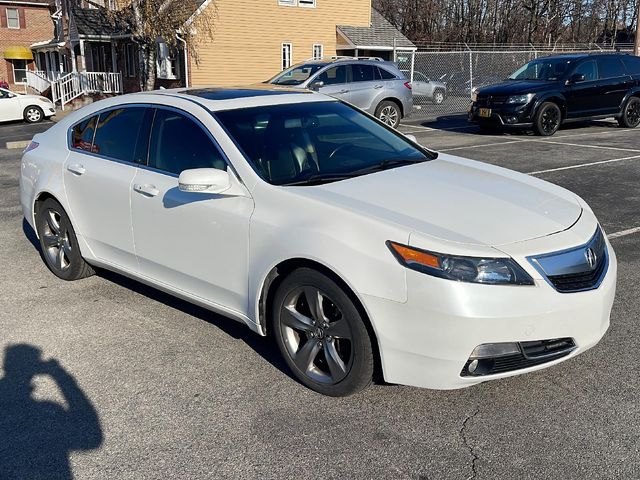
(381, 33)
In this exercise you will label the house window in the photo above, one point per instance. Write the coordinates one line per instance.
(166, 63)
(286, 55)
(307, 3)
(288, 3)
(318, 51)
(13, 19)
(19, 71)
(130, 60)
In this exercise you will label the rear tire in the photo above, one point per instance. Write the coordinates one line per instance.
(321, 334)
(33, 114)
(58, 242)
(389, 113)
(438, 97)
(547, 119)
(630, 117)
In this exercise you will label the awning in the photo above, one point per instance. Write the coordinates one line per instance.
(18, 53)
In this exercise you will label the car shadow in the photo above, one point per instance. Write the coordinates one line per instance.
(265, 347)
(37, 436)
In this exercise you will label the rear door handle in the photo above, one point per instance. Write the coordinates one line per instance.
(76, 168)
(146, 189)
(343, 91)
(378, 86)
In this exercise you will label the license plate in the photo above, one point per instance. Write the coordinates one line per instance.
(484, 112)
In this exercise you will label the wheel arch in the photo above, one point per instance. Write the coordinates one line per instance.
(556, 98)
(279, 272)
(393, 100)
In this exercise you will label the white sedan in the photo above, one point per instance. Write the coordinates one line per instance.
(19, 106)
(353, 246)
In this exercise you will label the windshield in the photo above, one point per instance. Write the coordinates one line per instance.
(549, 69)
(296, 74)
(316, 142)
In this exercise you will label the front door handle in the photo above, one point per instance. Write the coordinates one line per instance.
(343, 91)
(146, 189)
(378, 86)
(76, 168)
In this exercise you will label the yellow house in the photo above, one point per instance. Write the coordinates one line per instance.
(255, 39)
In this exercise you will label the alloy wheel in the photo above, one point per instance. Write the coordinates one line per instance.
(438, 97)
(633, 113)
(316, 335)
(56, 241)
(33, 115)
(550, 120)
(389, 115)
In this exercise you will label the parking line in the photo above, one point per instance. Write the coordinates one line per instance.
(623, 233)
(571, 167)
(584, 146)
(481, 145)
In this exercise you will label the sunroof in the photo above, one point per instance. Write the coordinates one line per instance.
(231, 93)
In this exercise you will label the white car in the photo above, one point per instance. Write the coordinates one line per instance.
(353, 246)
(19, 106)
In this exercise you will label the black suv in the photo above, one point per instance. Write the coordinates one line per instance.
(549, 91)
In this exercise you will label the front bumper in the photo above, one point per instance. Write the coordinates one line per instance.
(427, 341)
(503, 115)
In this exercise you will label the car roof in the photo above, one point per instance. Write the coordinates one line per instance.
(232, 98)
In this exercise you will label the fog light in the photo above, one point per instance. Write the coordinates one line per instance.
(472, 366)
(512, 119)
(488, 350)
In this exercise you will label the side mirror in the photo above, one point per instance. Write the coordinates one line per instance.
(411, 138)
(317, 85)
(205, 180)
(577, 78)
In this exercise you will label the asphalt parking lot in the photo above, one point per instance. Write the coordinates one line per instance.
(155, 388)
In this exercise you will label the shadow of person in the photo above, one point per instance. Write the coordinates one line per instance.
(36, 437)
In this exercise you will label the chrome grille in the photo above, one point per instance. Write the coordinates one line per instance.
(576, 269)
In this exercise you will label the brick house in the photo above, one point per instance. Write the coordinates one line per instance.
(21, 24)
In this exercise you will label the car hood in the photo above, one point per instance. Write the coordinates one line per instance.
(514, 87)
(456, 200)
(27, 97)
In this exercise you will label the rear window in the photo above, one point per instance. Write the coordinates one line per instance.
(82, 134)
(386, 74)
(117, 133)
(632, 64)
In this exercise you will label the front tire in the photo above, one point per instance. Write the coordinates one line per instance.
(58, 242)
(33, 114)
(321, 334)
(389, 112)
(438, 97)
(547, 119)
(630, 117)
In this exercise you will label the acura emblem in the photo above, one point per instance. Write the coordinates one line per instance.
(591, 257)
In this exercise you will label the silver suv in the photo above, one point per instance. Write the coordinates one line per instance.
(372, 84)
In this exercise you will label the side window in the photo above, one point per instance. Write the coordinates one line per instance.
(82, 134)
(334, 75)
(117, 133)
(632, 64)
(178, 143)
(610, 67)
(386, 74)
(588, 69)
(362, 73)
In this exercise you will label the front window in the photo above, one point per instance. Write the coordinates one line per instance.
(296, 74)
(549, 69)
(19, 71)
(316, 142)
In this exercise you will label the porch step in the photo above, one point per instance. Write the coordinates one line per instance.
(87, 99)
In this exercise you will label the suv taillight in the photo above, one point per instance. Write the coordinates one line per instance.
(32, 146)
(408, 85)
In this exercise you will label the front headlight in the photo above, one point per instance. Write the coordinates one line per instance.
(490, 271)
(474, 95)
(520, 99)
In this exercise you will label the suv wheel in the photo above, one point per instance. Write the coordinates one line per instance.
(321, 334)
(630, 117)
(547, 119)
(389, 113)
(438, 97)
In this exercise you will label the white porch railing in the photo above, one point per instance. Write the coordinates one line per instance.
(37, 81)
(72, 85)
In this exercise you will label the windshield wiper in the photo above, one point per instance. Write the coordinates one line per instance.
(320, 178)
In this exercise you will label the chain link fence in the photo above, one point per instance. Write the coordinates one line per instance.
(443, 80)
